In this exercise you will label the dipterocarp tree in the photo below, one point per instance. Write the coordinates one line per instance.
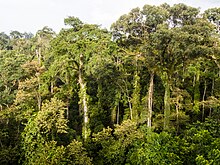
(131, 31)
(74, 50)
(167, 38)
(172, 46)
(42, 43)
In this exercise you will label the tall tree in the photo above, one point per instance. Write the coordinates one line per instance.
(78, 45)
(131, 32)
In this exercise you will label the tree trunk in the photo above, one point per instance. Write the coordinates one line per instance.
(166, 102)
(212, 93)
(150, 100)
(67, 77)
(38, 92)
(52, 87)
(203, 99)
(196, 92)
(136, 93)
(114, 115)
(83, 100)
(129, 100)
(136, 98)
(38, 53)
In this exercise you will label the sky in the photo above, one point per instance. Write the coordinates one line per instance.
(33, 15)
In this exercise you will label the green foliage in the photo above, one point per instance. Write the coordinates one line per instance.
(83, 96)
(155, 149)
(47, 153)
(11, 73)
(76, 154)
(112, 147)
(201, 141)
(43, 129)
(51, 118)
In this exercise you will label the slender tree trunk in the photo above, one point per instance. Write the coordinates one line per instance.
(150, 100)
(136, 97)
(83, 100)
(67, 76)
(39, 56)
(129, 100)
(212, 93)
(38, 93)
(116, 110)
(203, 99)
(166, 102)
(38, 53)
(136, 93)
(52, 87)
(39, 101)
(114, 115)
(196, 92)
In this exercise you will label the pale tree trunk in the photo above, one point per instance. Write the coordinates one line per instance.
(39, 101)
(212, 93)
(203, 99)
(39, 56)
(166, 102)
(116, 110)
(38, 93)
(69, 96)
(196, 92)
(129, 100)
(83, 100)
(135, 101)
(113, 115)
(136, 98)
(38, 53)
(52, 87)
(150, 100)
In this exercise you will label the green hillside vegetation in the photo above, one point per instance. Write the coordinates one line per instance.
(145, 92)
